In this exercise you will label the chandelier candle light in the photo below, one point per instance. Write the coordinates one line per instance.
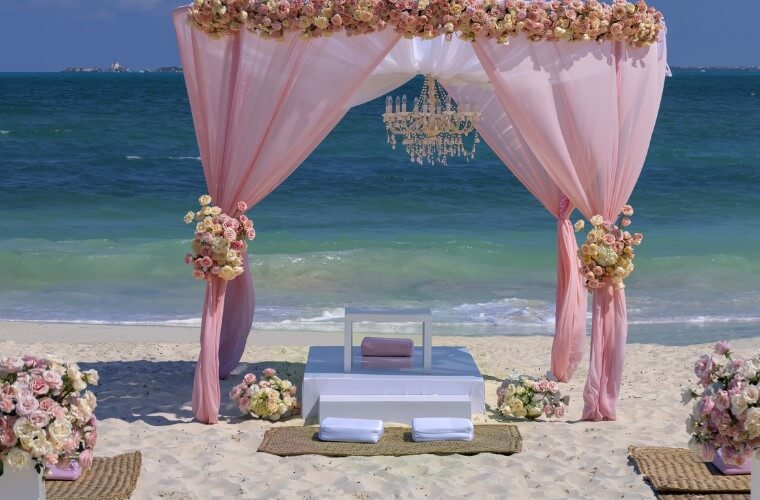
(434, 129)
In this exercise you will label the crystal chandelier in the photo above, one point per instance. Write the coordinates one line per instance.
(435, 128)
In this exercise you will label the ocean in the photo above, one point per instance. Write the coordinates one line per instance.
(98, 169)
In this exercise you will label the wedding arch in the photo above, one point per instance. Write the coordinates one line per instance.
(569, 92)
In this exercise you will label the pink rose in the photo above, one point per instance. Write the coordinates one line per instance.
(722, 347)
(91, 438)
(39, 419)
(11, 365)
(7, 405)
(244, 404)
(598, 271)
(27, 405)
(627, 210)
(722, 401)
(7, 437)
(264, 384)
(559, 412)
(608, 239)
(549, 410)
(215, 269)
(53, 379)
(230, 234)
(242, 206)
(249, 378)
(207, 262)
(50, 459)
(198, 274)
(188, 259)
(625, 222)
(553, 387)
(269, 372)
(31, 361)
(707, 405)
(85, 459)
(251, 234)
(293, 389)
(619, 245)
(236, 392)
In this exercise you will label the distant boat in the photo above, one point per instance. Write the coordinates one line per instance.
(118, 68)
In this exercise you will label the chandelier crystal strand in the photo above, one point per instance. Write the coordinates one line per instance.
(434, 129)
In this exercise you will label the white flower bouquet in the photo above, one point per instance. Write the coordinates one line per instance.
(520, 396)
(726, 414)
(271, 398)
(46, 413)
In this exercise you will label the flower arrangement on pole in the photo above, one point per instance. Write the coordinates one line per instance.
(271, 398)
(219, 242)
(520, 396)
(607, 254)
(46, 413)
(725, 416)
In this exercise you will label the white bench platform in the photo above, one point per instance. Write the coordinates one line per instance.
(453, 387)
(399, 409)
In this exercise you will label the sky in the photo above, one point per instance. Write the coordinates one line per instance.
(49, 35)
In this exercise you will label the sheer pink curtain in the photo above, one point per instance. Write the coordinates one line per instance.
(259, 108)
(587, 111)
(505, 140)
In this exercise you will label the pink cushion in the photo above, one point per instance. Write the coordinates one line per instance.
(374, 346)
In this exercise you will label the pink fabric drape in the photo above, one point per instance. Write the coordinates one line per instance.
(259, 108)
(505, 140)
(587, 112)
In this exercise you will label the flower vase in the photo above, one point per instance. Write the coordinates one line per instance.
(21, 484)
(755, 476)
(67, 469)
(731, 470)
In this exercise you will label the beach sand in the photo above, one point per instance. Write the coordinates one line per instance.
(146, 376)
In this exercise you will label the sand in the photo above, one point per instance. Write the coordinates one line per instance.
(144, 403)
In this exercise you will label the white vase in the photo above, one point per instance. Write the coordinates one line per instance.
(24, 484)
(755, 495)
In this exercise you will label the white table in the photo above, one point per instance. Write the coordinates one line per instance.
(355, 314)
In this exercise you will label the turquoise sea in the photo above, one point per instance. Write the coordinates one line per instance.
(98, 170)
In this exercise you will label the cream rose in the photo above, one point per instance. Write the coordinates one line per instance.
(204, 200)
(18, 458)
(752, 423)
(738, 404)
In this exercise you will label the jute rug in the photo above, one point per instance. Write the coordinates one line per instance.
(112, 478)
(396, 441)
(673, 475)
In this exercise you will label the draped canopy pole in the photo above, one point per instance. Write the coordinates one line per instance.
(587, 111)
(505, 140)
(259, 108)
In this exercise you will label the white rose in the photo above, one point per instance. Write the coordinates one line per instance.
(686, 395)
(59, 431)
(92, 377)
(79, 384)
(18, 458)
(738, 404)
(696, 449)
(73, 371)
(752, 423)
(751, 394)
(91, 400)
(23, 428)
(748, 370)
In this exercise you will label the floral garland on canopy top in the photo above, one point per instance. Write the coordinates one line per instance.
(553, 21)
